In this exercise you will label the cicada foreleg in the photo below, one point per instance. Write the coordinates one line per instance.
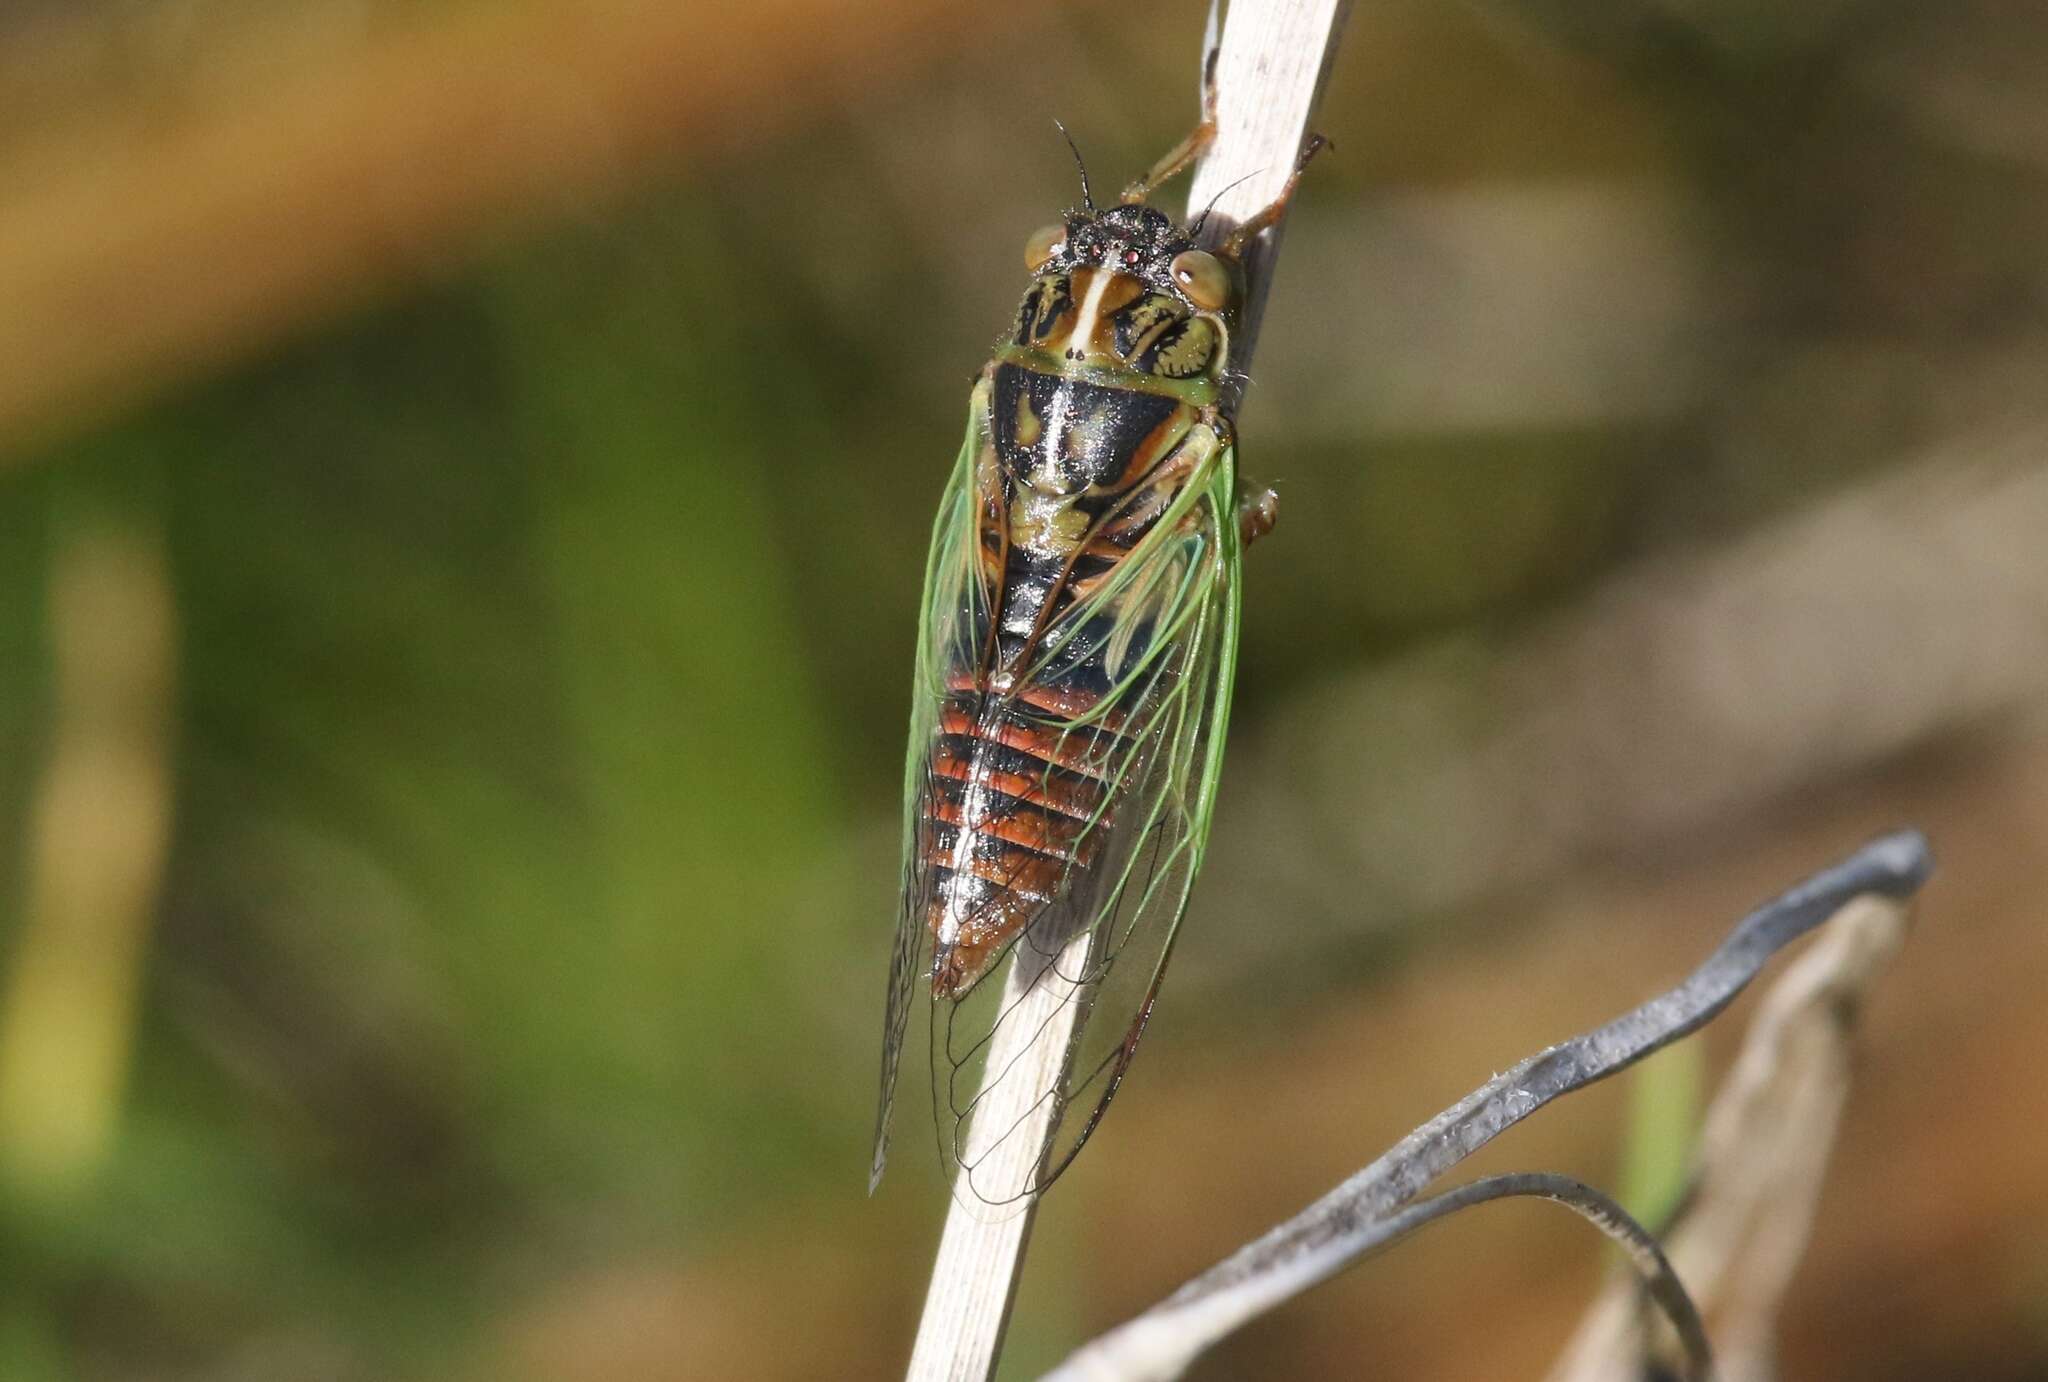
(1257, 511)
(1188, 150)
(1272, 211)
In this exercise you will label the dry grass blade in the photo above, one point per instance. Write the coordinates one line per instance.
(974, 1278)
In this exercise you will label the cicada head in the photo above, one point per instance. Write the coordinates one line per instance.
(1143, 243)
(1126, 286)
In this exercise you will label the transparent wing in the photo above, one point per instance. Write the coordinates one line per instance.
(952, 624)
(1160, 631)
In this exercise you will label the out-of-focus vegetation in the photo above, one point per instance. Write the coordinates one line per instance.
(467, 469)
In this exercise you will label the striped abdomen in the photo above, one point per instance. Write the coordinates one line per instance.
(1022, 795)
(1016, 815)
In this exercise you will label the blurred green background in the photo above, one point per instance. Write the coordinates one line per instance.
(464, 474)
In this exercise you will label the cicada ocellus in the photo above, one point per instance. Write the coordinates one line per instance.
(1074, 657)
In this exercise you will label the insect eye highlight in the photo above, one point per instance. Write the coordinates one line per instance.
(1204, 278)
(1043, 245)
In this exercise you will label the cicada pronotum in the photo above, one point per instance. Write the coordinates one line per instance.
(1075, 655)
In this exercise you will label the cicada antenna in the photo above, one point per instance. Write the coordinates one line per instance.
(1086, 199)
(1203, 219)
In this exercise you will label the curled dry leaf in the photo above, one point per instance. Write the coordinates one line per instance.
(1749, 1209)
(1351, 1220)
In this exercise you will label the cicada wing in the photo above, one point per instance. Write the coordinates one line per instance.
(1162, 635)
(952, 621)
(1178, 721)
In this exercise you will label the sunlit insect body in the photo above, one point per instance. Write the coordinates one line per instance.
(1076, 646)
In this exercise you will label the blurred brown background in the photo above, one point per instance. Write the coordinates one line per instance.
(466, 471)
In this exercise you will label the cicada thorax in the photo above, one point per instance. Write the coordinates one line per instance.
(1098, 412)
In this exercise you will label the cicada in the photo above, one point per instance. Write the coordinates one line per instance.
(1074, 661)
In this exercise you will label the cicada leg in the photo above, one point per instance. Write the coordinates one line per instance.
(1188, 150)
(1257, 512)
(1275, 209)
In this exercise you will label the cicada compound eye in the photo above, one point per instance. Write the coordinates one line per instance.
(1204, 278)
(1042, 246)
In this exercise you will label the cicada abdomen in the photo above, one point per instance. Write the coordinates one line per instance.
(1074, 658)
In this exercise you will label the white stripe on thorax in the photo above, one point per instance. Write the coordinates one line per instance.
(1083, 334)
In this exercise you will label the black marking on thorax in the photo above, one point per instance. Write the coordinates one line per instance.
(1067, 435)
